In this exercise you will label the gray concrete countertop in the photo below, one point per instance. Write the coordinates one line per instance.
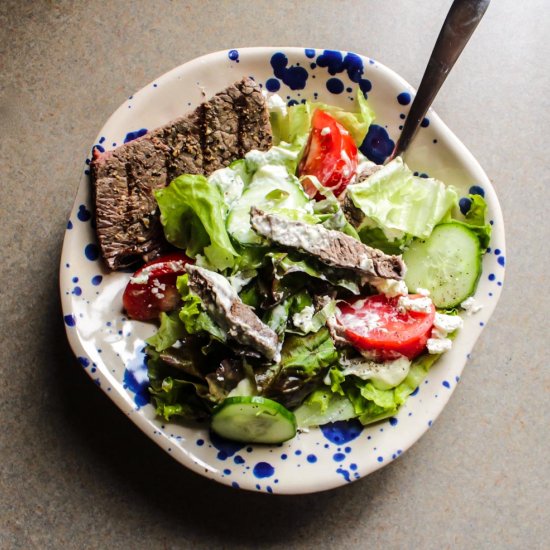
(74, 473)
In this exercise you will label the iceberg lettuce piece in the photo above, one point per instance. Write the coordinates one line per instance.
(400, 204)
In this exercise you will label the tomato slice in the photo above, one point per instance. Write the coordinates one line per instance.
(330, 155)
(378, 324)
(152, 288)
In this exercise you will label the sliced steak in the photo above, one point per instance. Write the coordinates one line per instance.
(228, 310)
(332, 248)
(216, 133)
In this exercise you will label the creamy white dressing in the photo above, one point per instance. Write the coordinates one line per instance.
(302, 319)
(383, 376)
(229, 183)
(276, 156)
(366, 263)
(222, 291)
(276, 104)
(295, 235)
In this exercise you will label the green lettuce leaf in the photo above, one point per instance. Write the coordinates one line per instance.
(193, 315)
(283, 154)
(170, 331)
(193, 213)
(356, 123)
(277, 316)
(322, 407)
(329, 211)
(304, 362)
(418, 371)
(372, 404)
(375, 237)
(476, 220)
(308, 355)
(292, 272)
(174, 395)
(225, 379)
(294, 127)
(400, 204)
(273, 188)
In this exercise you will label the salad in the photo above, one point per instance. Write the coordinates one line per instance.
(307, 285)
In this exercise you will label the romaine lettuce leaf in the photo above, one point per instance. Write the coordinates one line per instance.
(193, 215)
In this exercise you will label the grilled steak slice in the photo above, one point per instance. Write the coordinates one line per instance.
(332, 248)
(219, 131)
(228, 310)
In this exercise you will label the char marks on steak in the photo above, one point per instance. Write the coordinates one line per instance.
(216, 133)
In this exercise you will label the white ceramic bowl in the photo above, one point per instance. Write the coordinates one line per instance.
(109, 346)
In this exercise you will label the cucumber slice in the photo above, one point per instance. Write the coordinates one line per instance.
(272, 187)
(447, 263)
(253, 419)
